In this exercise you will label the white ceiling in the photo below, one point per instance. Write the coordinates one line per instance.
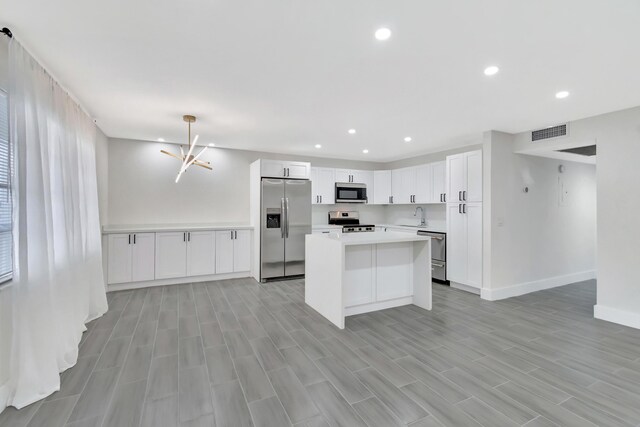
(283, 75)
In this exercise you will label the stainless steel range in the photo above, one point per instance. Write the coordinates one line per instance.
(350, 222)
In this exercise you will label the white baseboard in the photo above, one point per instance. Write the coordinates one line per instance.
(176, 281)
(375, 306)
(615, 315)
(537, 285)
(465, 288)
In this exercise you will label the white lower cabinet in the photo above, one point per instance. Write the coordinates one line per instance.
(394, 275)
(233, 251)
(201, 253)
(130, 257)
(360, 281)
(171, 254)
(242, 251)
(464, 243)
(378, 273)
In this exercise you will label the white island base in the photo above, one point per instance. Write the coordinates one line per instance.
(347, 274)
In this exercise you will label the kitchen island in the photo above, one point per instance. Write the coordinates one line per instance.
(349, 274)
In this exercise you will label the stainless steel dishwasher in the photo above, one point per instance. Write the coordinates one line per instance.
(438, 255)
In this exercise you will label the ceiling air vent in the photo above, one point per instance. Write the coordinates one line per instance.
(550, 132)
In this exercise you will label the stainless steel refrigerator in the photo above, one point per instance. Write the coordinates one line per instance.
(285, 213)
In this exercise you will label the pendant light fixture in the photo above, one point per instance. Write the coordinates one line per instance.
(189, 159)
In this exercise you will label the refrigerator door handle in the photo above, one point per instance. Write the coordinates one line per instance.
(286, 204)
(284, 217)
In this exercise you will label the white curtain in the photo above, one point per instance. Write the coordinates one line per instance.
(58, 282)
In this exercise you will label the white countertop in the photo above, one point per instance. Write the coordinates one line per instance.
(371, 238)
(141, 228)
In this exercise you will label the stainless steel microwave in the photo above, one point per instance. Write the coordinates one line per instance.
(351, 192)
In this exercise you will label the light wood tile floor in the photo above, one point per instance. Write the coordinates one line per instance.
(239, 353)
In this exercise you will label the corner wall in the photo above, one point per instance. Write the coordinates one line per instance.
(535, 240)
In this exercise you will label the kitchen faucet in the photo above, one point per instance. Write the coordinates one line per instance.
(423, 220)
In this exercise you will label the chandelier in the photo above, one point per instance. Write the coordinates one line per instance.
(189, 159)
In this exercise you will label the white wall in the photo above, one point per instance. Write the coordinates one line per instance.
(535, 240)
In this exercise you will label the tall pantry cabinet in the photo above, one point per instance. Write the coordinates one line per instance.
(464, 218)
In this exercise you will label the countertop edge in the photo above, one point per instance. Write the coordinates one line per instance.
(151, 228)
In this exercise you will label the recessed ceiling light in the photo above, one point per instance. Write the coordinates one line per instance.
(490, 71)
(318, 146)
(160, 139)
(562, 94)
(211, 144)
(383, 34)
(365, 151)
(407, 139)
(351, 131)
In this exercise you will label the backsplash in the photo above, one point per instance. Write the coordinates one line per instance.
(384, 214)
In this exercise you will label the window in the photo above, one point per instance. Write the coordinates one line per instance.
(6, 246)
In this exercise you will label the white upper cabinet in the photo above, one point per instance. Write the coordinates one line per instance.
(201, 253)
(403, 185)
(323, 186)
(464, 174)
(381, 188)
(131, 257)
(422, 187)
(344, 175)
(438, 182)
(285, 169)
(474, 176)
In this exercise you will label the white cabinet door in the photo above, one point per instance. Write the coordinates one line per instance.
(366, 178)
(456, 243)
(456, 177)
(224, 251)
(119, 262)
(143, 257)
(394, 271)
(201, 253)
(474, 176)
(315, 187)
(299, 170)
(343, 175)
(358, 277)
(272, 168)
(242, 250)
(438, 182)
(381, 187)
(422, 186)
(474, 244)
(403, 185)
(171, 255)
(326, 186)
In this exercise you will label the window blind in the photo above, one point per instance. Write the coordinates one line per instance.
(6, 258)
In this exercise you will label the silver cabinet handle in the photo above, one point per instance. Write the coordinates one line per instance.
(184, 237)
(286, 202)
(283, 215)
(317, 199)
(464, 195)
(391, 199)
(134, 239)
(235, 234)
(320, 199)
(459, 208)
(437, 265)
(464, 208)
(445, 197)
(459, 196)
(129, 238)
